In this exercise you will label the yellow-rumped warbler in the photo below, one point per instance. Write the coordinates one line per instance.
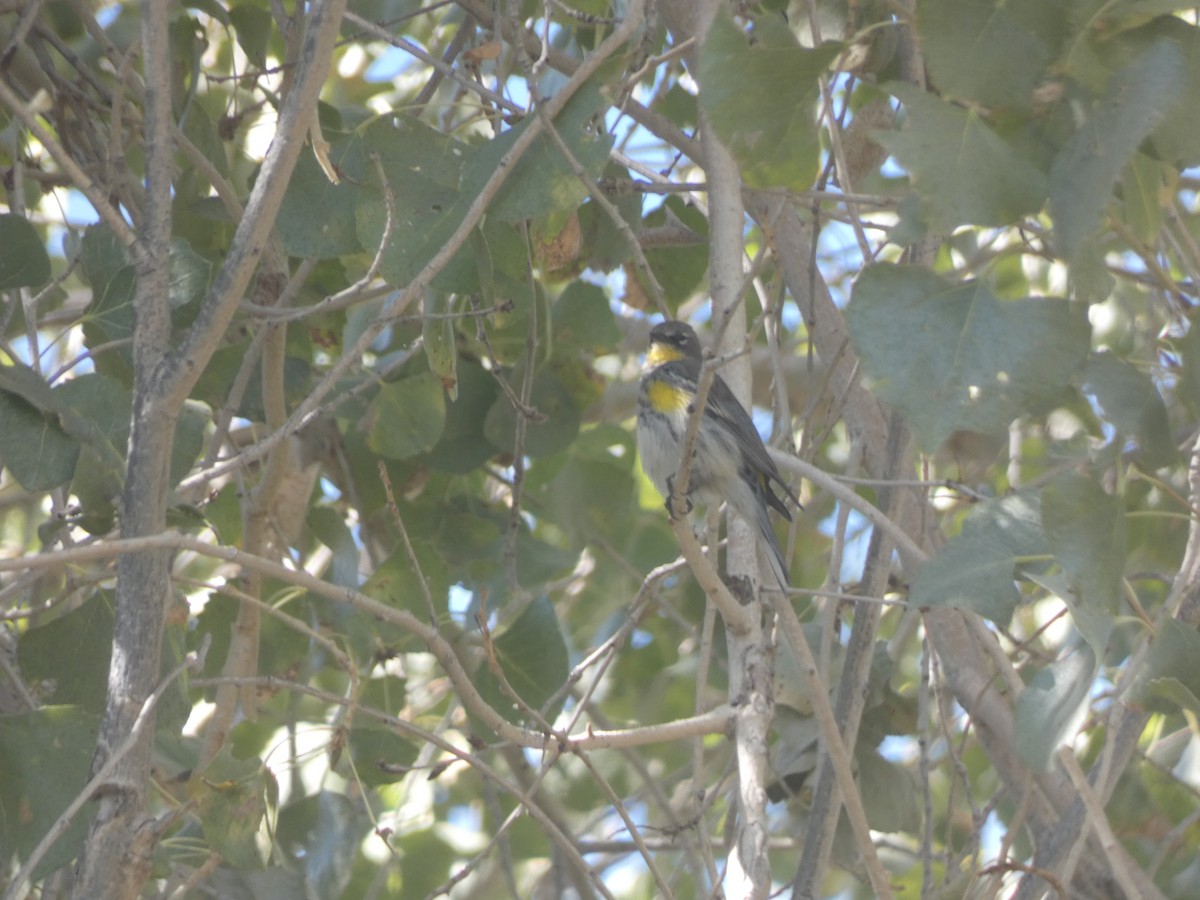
(729, 462)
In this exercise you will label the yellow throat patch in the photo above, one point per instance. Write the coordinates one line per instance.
(659, 354)
(667, 398)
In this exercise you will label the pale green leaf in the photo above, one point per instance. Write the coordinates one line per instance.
(889, 792)
(954, 356)
(533, 657)
(976, 570)
(962, 170)
(1052, 706)
(407, 416)
(1085, 528)
(1138, 98)
(554, 433)
(1143, 193)
(23, 258)
(991, 53)
(1132, 403)
(1171, 674)
(543, 180)
(761, 99)
(969, 573)
(33, 446)
(45, 757)
(318, 218)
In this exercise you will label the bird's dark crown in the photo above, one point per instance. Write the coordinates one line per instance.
(677, 339)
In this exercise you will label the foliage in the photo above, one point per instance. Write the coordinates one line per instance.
(426, 630)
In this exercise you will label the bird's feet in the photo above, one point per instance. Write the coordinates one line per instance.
(677, 507)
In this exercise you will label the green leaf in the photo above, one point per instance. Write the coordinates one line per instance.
(407, 416)
(320, 836)
(72, 653)
(889, 792)
(962, 170)
(439, 339)
(45, 757)
(103, 405)
(231, 801)
(422, 168)
(761, 99)
(552, 400)
(380, 756)
(1091, 282)
(1052, 706)
(1144, 188)
(1085, 528)
(954, 356)
(424, 172)
(318, 218)
(33, 446)
(190, 430)
(592, 498)
(463, 446)
(396, 582)
(539, 562)
(252, 27)
(794, 753)
(1132, 403)
(976, 569)
(584, 320)
(1176, 140)
(27, 384)
(102, 255)
(606, 247)
(542, 181)
(23, 258)
(1138, 99)
(680, 270)
(992, 53)
(1171, 674)
(533, 657)
(435, 855)
(969, 573)
(113, 309)
(1095, 625)
(189, 279)
(193, 185)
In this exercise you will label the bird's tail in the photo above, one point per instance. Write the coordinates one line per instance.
(774, 553)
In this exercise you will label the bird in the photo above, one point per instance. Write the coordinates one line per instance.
(730, 463)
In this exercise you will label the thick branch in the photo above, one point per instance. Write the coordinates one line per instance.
(116, 857)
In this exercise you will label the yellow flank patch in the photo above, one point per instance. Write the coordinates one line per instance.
(666, 398)
(661, 353)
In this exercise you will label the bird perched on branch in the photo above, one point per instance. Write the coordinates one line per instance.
(729, 460)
